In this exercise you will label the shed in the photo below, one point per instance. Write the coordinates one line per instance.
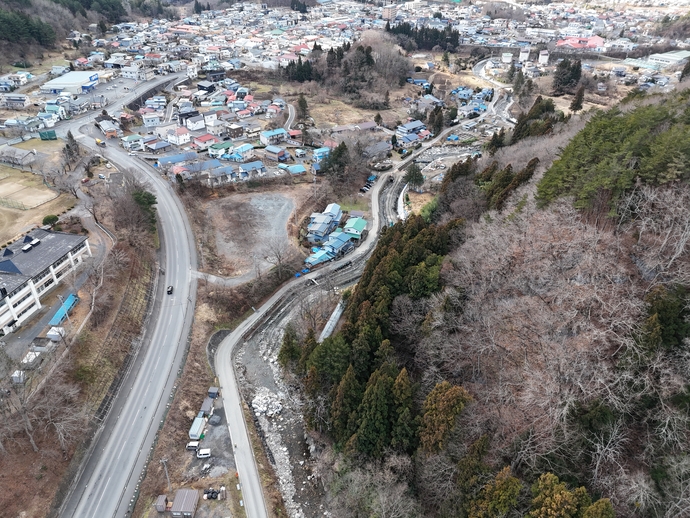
(207, 407)
(184, 504)
(161, 503)
(213, 392)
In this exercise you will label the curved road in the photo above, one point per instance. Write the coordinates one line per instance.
(108, 483)
(252, 493)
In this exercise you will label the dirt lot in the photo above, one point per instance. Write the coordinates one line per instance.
(15, 221)
(246, 224)
(245, 227)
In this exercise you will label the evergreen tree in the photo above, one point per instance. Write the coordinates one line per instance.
(331, 59)
(347, 399)
(414, 176)
(197, 7)
(441, 407)
(308, 347)
(394, 140)
(498, 497)
(290, 348)
(302, 107)
(576, 105)
(374, 432)
(497, 141)
(403, 434)
(378, 119)
(102, 27)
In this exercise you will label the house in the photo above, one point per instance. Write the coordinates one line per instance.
(276, 153)
(31, 266)
(256, 167)
(205, 141)
(195, 123)
(133, 142)
(321, 153)
(179, 136)
(275, 136)
(242, 153)
(408, 141)
(323, 223)
(109, 128)
(355, 228)
(157, 146)
(315, 168)
(15, 101)
(412, 127)
(338, 244)
(161, 131)
(219, 149)
(220, 175)
(216, 127)
(151, 120)
(234, 130)
(206, 86)
(168, 161)
(297, 169)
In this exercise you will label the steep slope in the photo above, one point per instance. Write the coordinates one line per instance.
(534, 355)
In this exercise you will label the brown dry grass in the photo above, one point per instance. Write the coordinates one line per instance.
(418, 200)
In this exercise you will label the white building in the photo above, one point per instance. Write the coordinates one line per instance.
(72, 82)
(524, 55)
(507, 58)
(30, 267)
(544, 58)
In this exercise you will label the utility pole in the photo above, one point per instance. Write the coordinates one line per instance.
(164, 461)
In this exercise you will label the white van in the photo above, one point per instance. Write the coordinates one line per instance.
(193, 445)
(203, 453)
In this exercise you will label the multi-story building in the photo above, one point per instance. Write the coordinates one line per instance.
(30, 267)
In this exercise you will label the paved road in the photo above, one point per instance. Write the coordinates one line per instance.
(252, 494)
(291, 117)
(108, 482)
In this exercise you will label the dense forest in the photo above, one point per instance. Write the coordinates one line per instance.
(524, 350)
(17, 27)
(363, 73)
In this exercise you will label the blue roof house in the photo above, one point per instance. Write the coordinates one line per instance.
(256, 167)
(321, 153)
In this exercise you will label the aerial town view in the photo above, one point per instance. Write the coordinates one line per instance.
(326, 258)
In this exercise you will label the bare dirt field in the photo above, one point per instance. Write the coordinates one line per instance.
(13, 221)
(246, 224)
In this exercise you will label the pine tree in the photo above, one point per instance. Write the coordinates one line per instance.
(373, 434)
(414, 176)
(378, 119)
(347, 399)
(289, 350)
(403, 434)
(308, 347)
(576, 105)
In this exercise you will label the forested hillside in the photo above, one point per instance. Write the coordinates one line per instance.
(528, 353)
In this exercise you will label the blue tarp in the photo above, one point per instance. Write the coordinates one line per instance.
(61, 314)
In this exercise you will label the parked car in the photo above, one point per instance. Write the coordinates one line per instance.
(101, 176)
(170, 290)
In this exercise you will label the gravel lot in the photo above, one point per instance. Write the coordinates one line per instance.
(246, 224)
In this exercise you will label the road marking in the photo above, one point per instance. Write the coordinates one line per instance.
(122, 449)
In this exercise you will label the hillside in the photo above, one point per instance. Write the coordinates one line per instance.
(530, 358)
